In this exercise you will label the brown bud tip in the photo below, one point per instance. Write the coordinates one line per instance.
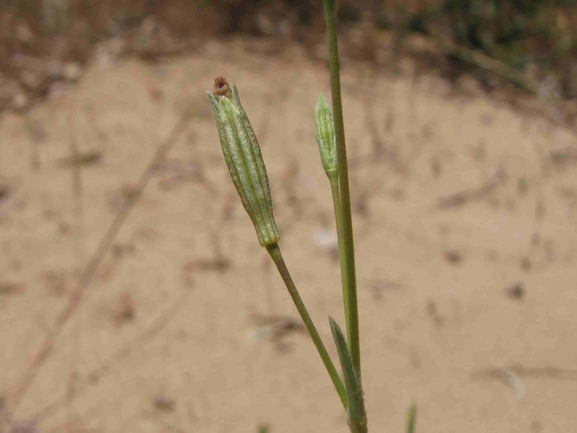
(221, 87)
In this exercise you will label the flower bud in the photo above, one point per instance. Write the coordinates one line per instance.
(244, 160)
(326, 136)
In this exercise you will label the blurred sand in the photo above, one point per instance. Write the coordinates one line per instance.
(465, 236)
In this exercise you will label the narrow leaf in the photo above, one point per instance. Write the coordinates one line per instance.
(412, 418)
(356, 415)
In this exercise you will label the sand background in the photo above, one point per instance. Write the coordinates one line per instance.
(464, 213)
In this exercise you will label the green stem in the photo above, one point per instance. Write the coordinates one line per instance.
(278, 260)
(347, 247)
(334, 180)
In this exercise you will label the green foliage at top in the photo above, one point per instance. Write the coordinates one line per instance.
(519, 33)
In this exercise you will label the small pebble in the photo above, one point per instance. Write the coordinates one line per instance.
(516, 291)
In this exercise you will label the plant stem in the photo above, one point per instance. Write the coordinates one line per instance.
(346, 246)
(334, 181)
(278, 260)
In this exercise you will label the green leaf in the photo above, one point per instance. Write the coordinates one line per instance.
(356, 415)
(412, 418)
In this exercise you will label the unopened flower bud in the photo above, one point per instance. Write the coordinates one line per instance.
(326, 136)
(244, 159)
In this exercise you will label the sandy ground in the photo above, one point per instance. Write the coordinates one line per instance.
(466, 239)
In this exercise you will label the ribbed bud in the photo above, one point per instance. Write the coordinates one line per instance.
(243, 157)
(326, 136)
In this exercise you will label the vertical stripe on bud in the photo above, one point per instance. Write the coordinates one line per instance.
(244, 160)
(326, 136)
